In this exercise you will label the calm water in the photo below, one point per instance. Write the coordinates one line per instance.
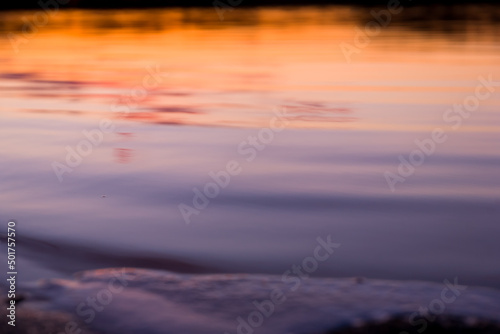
(347, 123)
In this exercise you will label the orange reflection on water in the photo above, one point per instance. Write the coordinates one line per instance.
(236, 72)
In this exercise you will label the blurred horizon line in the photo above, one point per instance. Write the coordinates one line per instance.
(125, 4)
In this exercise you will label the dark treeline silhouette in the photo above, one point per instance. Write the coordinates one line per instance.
(34, 4)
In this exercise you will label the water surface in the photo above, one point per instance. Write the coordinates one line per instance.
(348, 121)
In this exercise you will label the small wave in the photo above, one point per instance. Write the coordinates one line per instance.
(150, 302)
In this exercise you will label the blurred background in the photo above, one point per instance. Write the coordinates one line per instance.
(356, 101)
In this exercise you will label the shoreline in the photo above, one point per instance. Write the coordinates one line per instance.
(206, 304)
